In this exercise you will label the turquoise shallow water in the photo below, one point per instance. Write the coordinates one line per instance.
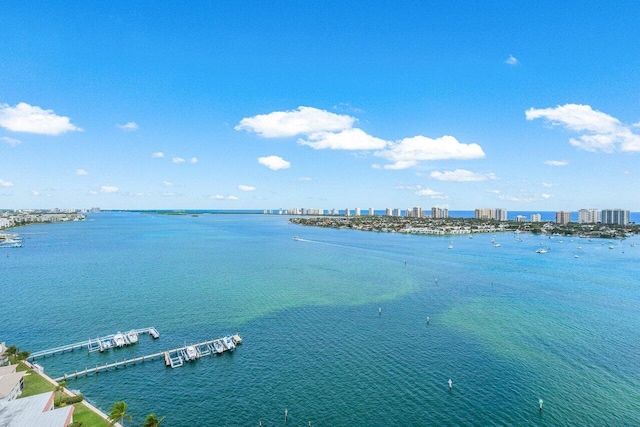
(508, 326)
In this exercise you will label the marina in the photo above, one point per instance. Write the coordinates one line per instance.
(99, 344)
(172, 358)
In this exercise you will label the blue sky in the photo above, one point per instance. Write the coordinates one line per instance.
(333, 104)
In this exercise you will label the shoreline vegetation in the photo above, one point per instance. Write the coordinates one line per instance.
(465, 226)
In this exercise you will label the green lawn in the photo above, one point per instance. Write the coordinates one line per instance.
(87, 417)
(35, 384)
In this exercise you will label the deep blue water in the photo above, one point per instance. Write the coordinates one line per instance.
(507, 325)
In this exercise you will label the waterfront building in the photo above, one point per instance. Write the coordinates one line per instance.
(370, 211)
(563, 217)
(501, 214)
(347, 212)
(357, 212)
(95, 210)
(387, 212)
(437, 212)
(615, 216)
(485, 213)
(536, 217)
(11, 383)
(37, 410)
(397, 212)
(416, 212)
(521, 218)
(588, 216)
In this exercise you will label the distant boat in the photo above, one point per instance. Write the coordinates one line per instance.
(610, 246)
(227, 342)
(217, 345)
(191, 353)
(496, 245)
(132, 336)
(450, 247)
(575, 256)
(296, 238)
(118, 340)
(541, 251)
(633, 245)
(105, 345)
(579, 247)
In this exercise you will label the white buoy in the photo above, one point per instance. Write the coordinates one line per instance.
(436, 280)
(450, 384)
(428, 320)
(379, 311)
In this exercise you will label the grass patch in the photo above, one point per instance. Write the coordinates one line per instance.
(87, 417)
(35, 384)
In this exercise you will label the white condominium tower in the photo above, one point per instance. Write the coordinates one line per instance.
(563, 217)
(615, 216)
(588, 216)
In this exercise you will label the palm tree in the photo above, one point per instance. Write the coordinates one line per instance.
(152, 421)
(119, 413)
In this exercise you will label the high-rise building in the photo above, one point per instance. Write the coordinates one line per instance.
(485, 213)
(521, 218)
(437, 212)
(588, 216)
(417, 212)
(397, 212)
(536, 217)
(563, 217)
(501, 214)
(357, 212)
(347, 212)
(615, 216)
(387, 212)
(370, 211)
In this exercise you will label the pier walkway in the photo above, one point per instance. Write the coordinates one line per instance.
(173, 358)
(92, 344)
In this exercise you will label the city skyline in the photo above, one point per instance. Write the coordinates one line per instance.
(208, 106)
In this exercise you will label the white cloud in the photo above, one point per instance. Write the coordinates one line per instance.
(158, 155)
(601, 132)
(274, 162)
(178, 160)
(302, 178)
(548, 184)
(431, 194)
(81, 172)
(409, 151)
(556, 162)
(11, 141)
(168, 194)
(35, 193)
(27, 118)
(217, 197)
(4, 183)
(304, 120)
(233, 198)
(93, 192)
(511, 60)
(348, 139)
(193, 160)
(167, 183)
(246, 188)
(108, 189)
(129, 127)
(493, 191)
(462, 175)
(525, 197)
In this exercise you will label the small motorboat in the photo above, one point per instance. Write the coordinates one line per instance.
(118, 340)
(227, 342)
(132, 336)
(191, 353)
(296, 238)
(217, 345)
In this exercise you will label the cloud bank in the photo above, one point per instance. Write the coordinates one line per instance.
(32, 119)
(274, 162)
(462, 175)
(599, 131)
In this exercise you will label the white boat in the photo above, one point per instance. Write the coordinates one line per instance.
(217, 345)
(191, 353)
(296, 238)
(118, 340)
(610, 246)
(496, 245)
(450, 247)
(579, 247)
(132, 336)
(227, 342)
(541, 251)
(105, 345)
(575, 256)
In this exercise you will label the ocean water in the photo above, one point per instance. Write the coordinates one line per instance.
(507, 325)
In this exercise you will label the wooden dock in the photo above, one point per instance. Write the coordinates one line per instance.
(172, 358)
(89, 344)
